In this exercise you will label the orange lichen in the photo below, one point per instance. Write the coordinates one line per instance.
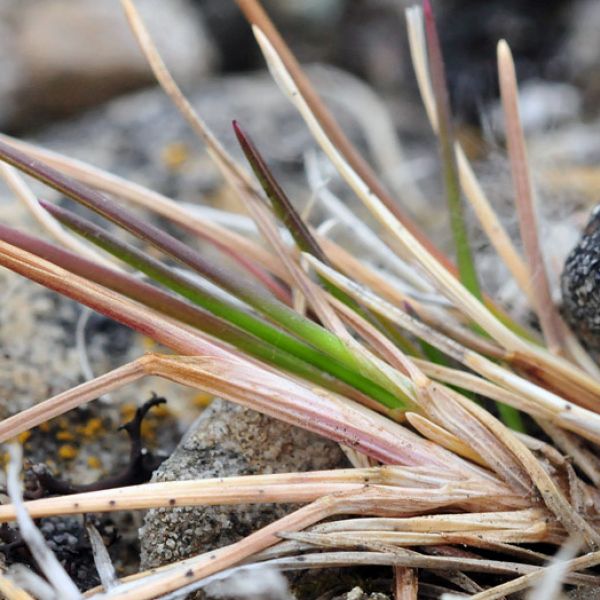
(128, 411)
(67, 452)
(64, 436)
(94, 462)
(23, 437)
(202, 400)
(148, 431)
(160, 411)
(174, 155)
(92, 428)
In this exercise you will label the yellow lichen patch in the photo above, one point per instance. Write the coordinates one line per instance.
(202, 400)
(23, 437)
(63, 423)
(160, 411)
(174, 155)
(67, 452)
(92, 428)
(128, 411)
(64, 436)
(148, 430)
(148, 344)
(94, 462)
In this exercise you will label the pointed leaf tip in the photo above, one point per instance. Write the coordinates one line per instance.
(246, 143)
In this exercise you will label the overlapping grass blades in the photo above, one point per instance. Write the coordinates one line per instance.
(480, 484)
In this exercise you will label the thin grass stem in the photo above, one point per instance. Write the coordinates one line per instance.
(515, 139)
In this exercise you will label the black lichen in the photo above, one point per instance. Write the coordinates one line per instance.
(580, 284)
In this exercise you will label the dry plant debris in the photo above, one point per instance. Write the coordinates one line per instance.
(439, 483)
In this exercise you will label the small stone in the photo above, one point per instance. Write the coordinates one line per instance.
(228, 440)
(580, 283)
(357, 593)
(584, 593)
(77, 54)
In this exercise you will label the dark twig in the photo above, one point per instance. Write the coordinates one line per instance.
(139, 470)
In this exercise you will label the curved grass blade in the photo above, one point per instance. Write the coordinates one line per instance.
(244, 290)
(171, 306)
(221, 308)
(288, 215)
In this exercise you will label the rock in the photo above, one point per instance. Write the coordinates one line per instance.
(10, 60)
(142, 136)
(584, 593)
(72, 55)
(67, 538)
(581, 49)
(543, 105)
(228, 440)
(358, 594)
(581, 285)
(39, 357)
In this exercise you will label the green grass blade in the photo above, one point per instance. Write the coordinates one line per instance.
(223, 309)
(464, 258)
(169, 305)
(251, 294)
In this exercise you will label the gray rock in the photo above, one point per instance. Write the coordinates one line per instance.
(584, 593)
(39, 358)
(581, 285)
(10, 60)
(582, 47)
(227, 440)
(320, 14)
(543, 104)
(72, 55)
(358, 594)
(142, 136)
